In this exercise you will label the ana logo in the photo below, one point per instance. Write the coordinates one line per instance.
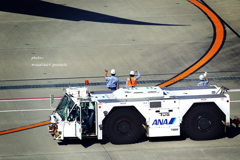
(163, 121)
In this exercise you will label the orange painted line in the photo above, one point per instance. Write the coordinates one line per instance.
(219, 31)
(24, 128)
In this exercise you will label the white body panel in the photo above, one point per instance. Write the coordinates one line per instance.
(181, 91)
(69, 129)
(78, 130)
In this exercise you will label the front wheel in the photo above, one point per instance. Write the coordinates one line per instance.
(124, 126)
(204, 122)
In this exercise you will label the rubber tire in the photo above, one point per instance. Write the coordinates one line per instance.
(204, 122)
(127, 121)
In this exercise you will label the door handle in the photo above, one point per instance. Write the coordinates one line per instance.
(157, 111)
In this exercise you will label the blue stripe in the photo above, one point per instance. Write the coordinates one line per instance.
(172, 120)
(104, 83)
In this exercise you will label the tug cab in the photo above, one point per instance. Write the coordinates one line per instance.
(77, 118)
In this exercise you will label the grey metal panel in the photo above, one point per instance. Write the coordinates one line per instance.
(102, 92)
(188, 88)
(188, 97)
(121, 100)
(162, 98)
(155, 104)
(201, 96)
(154, 98)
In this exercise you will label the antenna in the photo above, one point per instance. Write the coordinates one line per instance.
(69, 83)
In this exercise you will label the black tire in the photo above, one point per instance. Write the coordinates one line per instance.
(204, 122)
(124, 126)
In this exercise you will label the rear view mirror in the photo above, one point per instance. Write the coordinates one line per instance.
(52, 98)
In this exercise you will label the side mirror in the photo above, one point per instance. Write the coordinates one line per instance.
(52, 98)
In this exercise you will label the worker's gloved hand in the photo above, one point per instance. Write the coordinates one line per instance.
(205, 74)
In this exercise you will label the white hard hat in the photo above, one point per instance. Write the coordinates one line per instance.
(201, 77)
(113, 71)
(132, 73)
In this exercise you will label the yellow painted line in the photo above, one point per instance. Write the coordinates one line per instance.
(219, 37)
(24, 128)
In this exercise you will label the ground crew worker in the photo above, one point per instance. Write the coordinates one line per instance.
(91, 111)
(113, 81)
(132, 81)
(203, 81)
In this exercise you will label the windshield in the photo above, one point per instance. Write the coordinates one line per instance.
(65, 104)
(62, 103)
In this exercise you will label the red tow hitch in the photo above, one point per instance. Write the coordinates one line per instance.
(236, 121)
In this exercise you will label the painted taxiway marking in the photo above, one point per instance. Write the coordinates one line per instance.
(30, 126)
(218, 41)
(24, 128)
(28, 99)
(27, 110)
(235, 101)
(234, 90)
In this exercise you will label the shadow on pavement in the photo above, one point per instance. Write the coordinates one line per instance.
(60, 11)
(89, 142)
(166, 139)
(233, 132)
(75, 141)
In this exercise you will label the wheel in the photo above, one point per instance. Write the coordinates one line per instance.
(204, 122)
(124, 126)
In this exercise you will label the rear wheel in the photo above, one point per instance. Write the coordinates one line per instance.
(204, 122)
(124, 126)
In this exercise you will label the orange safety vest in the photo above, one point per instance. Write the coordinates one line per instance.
(134, 82)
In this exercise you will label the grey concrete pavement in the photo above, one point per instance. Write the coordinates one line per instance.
(87, 47)
(228, 11)
(82, 38)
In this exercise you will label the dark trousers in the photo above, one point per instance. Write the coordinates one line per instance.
(112, 88)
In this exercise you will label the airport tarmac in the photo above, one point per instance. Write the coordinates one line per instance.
(52, 42)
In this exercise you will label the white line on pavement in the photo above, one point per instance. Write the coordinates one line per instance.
(235, 101)
(25, 110)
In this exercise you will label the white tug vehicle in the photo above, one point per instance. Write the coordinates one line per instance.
(128, 115)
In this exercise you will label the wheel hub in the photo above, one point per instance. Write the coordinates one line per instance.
(204, 123)
(124, 127)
